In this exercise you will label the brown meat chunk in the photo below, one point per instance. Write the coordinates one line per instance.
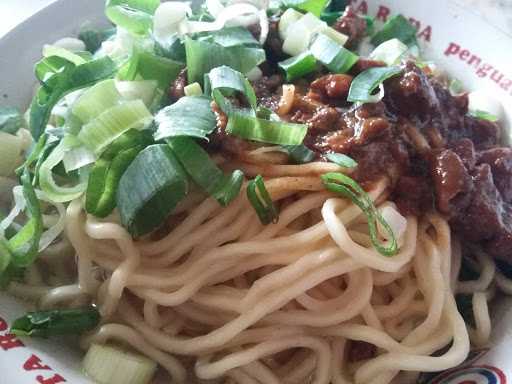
(500, 161)
(413, 195)
(267, 90)
(332, 86)
(351, 25)
(177, 89)
(485, 134)
(324, 119)
(452, 182)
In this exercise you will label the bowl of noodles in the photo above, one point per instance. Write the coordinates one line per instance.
(257, 192)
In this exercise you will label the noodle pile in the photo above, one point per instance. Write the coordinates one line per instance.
(222, 297)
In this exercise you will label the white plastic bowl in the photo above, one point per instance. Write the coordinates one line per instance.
(469, 39)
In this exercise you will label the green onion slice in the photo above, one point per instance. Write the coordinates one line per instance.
(202, 57)
(396, 27)
(135, 16)
(224, 81)
(316, 7)
(56, 322)
(189, 116)
(484, 115)
(364, 84)
(260, 200)
(96, 100)
(341, 160)
(51, 50)
(230, 37)
(267, 131)
(349, 188)
(298, 66)
(93, 38)
(333, 55)
(299, 154)
(204, 172)
(150, 188)
(5, 254)
(70, 78)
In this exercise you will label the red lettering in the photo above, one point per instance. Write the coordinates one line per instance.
(475, 60)
(9, 341)
(34, 363)
(426, 33)
(52, 380)
(452, 49)
(496, 76)
(363, 8)
(3, 325)
(506, 85)
(464, 54)
(415, 23)
(383, 13)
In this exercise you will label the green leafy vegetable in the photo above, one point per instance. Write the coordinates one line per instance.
(68, 79)
(266, 131)
(364, 84)
(298, 66)
(349, 188)
(171, 47)
(93, 38)
(135, 16)
(341, 160)
(396, 27)
(333, 55)
(5, 254)
(316, 7)
(300, 154)
(96, 100)
(202, 57)
(229, 37)
(224, 81)
(107, 171)
(53, 51)
(484, 115)
(204, 172)
(261, 201)
(10, 120)
(148, 66)
(56, 322)
(189, 116)
(150, 188)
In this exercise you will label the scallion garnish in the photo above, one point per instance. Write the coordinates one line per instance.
(203, 56)
(96, 100)
(56, 322)
(150, 188)
(267, 131)
(364, 84)
(349, 188)
(135, 16)
(298, 66)
(5, 254)
(193, 89)
(315, 7)
(299, 154)
(93, 38)
(333, 55)
(10, 120)
(261, 201)
(341, 160)
(224, 81)
(189, 116)
(230, 37)
(58, 84)
(204, 172)
(396, 27)
(484, 115)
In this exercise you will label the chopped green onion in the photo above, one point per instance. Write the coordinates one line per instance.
(51, 50)
(25, 244)
(145, 90)
(96, 100)
(112, 123)
(298, 66)
(172, 47)
(10, 150)
(56, 322)
(456, 87)
(266, 131)
(341, 160)
(364, 84)
(229, 37)
(189, 116)
(300, 33)
(389, 52)
(261, 201)
(288, 18)
(204, 172)
(47, 183)
(484, 115)
(202, 57)
(316, 7)
(148, 66)
(10, 120)
(334, 56)
(107, 172)
(135, 16)
(93, 38)
(5, 254)
(77, 158)
(193, 89)
(349, 188)
(150, 189)
(112, 365)
(299, 154)
(59, 84)
(330, 17)
(224, 81)
(47, 67)
(396, 27)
